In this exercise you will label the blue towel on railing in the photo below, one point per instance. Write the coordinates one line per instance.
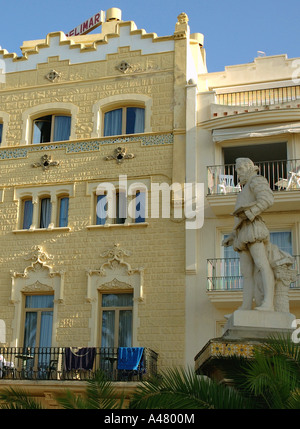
(130, 357)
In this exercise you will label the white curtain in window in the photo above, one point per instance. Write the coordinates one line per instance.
(63, 212)
(30, 329)
(108, 328)
(113, 122)
(46, 329)
(282, 239)
(231, 269)
(62, 128)
(27, 216)
(139, 122)
(45, 213)
(125, 328)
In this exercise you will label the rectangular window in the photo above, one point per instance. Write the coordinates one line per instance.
(45, 214)
(116, 320)
(63, 212)
(121, 207)
(27, 213)
(140, 207)
(1, 131)
(51, 128)
(37, 333)
(101, 209)
(38, 320)
(231, 266)
(282, 239)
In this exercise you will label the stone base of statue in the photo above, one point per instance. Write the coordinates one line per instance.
(257, 324)
(244, 330)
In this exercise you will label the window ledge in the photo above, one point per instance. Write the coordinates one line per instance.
(55, 229)
(118, 225)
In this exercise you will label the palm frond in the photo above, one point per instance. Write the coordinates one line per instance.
(178, 388)
(273, 373)
(99, 394)
(17, 399)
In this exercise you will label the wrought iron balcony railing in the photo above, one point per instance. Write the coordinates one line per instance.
(224, 274)
(70, 363)
(283, 175)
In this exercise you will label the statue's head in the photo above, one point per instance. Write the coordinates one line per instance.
(245, 169)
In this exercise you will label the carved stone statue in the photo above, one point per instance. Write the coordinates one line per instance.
(267, 270)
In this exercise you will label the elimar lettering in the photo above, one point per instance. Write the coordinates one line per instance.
(88, 25)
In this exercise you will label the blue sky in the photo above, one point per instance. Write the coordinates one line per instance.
(234, 30)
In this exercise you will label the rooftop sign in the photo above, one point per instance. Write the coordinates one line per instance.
(88, 25)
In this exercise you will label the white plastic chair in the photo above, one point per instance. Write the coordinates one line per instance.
(227, 184)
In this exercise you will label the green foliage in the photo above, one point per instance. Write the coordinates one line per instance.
(100, 394)
(273, 376)
(17, 399)
(183, 389)
(271, 380)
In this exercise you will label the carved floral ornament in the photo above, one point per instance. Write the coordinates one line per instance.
(39, 276)
(116, 270)
(45, 162)
(120, 154)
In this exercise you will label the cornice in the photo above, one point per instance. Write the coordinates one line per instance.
(252, 118)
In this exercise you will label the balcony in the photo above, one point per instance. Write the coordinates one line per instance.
(69, 363)
(283, 177)
(259, 97)
(225, 282)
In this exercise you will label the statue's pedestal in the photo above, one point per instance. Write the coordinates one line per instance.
(257, 324)
(243, 331)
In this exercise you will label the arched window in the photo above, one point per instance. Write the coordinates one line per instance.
(1, 132)
(124, 120)
(51, 128)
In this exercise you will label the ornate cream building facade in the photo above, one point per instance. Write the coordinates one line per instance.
(130, 110)
(247, 110)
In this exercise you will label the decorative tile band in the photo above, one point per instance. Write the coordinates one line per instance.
(86, 146)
